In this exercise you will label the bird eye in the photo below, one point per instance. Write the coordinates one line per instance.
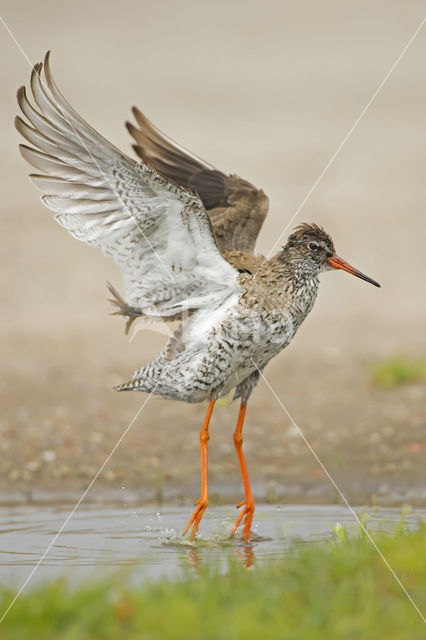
(313, 245)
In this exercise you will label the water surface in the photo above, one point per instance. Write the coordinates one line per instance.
(99, 539)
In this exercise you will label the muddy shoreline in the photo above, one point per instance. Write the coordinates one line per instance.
(56, 436)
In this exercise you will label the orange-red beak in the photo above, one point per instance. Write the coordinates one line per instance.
(338, 263)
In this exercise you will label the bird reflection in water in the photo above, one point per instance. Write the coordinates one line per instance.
(244, 554)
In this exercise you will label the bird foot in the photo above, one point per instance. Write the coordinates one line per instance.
(194, 521)
(246, 516)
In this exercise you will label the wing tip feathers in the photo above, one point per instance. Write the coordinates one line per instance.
(18, 122)
(130, 127)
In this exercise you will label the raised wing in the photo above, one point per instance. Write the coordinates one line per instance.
(235, 207)
(157, 232)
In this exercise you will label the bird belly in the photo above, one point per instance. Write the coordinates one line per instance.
(255, 342)
(220, 352)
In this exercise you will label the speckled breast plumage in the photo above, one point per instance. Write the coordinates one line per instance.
(221, 349)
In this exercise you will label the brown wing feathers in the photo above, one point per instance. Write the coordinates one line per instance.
(235, 207)
(176, 163)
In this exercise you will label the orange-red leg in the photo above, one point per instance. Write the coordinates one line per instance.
(201, 504)
(247, 504)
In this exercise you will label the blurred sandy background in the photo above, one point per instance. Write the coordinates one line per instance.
(267, 90)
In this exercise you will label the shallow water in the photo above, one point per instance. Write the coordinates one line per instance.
(99, 539)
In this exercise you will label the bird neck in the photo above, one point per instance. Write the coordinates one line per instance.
(285, 285)
(290, 275)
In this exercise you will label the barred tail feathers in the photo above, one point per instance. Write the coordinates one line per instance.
(122, 308)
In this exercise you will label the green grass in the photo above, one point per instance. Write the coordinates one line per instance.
(330, 591)
(398, 370)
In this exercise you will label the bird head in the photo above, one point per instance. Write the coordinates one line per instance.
(310, 246)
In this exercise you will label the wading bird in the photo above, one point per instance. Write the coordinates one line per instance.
(184, 236)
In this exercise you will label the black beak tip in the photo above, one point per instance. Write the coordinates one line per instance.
(371, 281)
(376, 284)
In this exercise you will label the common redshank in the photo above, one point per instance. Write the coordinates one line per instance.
(184, 236)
